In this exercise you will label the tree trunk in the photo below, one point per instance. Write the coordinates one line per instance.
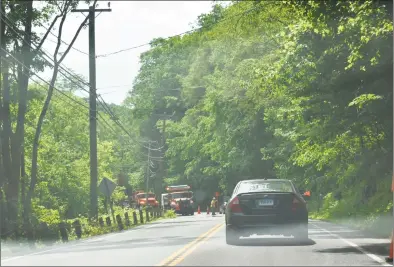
(23, 178)
(34, 168)
(6, 144)
(17, 139)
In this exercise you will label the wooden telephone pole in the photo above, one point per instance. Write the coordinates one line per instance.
(92, 108)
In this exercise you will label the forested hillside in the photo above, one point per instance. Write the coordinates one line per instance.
(295, 90)
(292, 90)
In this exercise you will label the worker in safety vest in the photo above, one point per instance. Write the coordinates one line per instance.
(213, 205)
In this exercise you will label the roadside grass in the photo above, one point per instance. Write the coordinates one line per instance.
(374, 217)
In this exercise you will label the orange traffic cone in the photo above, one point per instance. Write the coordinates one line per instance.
(207, 210)
(198, 210)
(389, 259)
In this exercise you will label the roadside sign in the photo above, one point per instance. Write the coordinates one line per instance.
(217, 194)
(107, 187)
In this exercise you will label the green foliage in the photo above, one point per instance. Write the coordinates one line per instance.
(170, 214)
(296, 90)
(300, 90)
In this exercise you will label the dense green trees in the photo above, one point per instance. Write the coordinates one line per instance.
(293, 89)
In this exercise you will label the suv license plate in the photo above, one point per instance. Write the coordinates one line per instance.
(266, 202)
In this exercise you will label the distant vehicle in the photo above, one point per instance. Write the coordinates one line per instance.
(146, 200)
(266, 206)
(181, 199)
(134, 201)
(165, 203)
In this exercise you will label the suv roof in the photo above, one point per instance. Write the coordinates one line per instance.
(268, 180)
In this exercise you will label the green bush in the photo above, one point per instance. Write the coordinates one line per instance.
(373, 214)
(170, 214)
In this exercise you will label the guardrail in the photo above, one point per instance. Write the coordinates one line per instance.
(52, 233)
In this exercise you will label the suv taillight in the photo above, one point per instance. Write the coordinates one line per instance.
(234, 205)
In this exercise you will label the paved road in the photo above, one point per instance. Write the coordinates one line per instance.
(199, 241)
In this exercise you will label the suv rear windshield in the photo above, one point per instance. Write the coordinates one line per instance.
(264, 186)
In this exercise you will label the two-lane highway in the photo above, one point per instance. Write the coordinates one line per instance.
(200, 241)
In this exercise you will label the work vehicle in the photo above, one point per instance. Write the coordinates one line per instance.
(266, 206)
(146, 200)
(165, 203)
(134, 200)
(181, 199)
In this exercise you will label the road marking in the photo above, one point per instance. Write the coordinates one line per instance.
(370, 255)
(189, 251)
(177, 253)
(81, 242)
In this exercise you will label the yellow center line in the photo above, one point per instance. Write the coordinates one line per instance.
(189, 251)
(173, 256)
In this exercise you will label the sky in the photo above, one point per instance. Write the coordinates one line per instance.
(131, 23)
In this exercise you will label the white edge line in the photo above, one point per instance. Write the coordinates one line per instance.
(81, 242)
(370, 255)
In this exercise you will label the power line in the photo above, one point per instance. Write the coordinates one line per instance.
(176, 35)
(105, 105)
(76, 49)
(39, 77)
(56, 89)
(61, 93)
(67, 96)
(80, 80)
(44, 52)
(50, 32)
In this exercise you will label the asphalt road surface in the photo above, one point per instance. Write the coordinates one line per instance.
(199, 240)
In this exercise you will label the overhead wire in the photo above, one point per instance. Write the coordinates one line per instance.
(44, 52)
(176, 35)
(106, 107)
(61, 93)
(43, 80)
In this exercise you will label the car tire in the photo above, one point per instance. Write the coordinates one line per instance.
(301, 234)
(232, 237)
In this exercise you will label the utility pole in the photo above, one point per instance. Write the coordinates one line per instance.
(147, 175)
(92, 108)
(159, 182)
(1, 86)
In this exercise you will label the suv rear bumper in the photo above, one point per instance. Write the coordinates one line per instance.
(184, 210)
(285, 229)
(255, 224)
